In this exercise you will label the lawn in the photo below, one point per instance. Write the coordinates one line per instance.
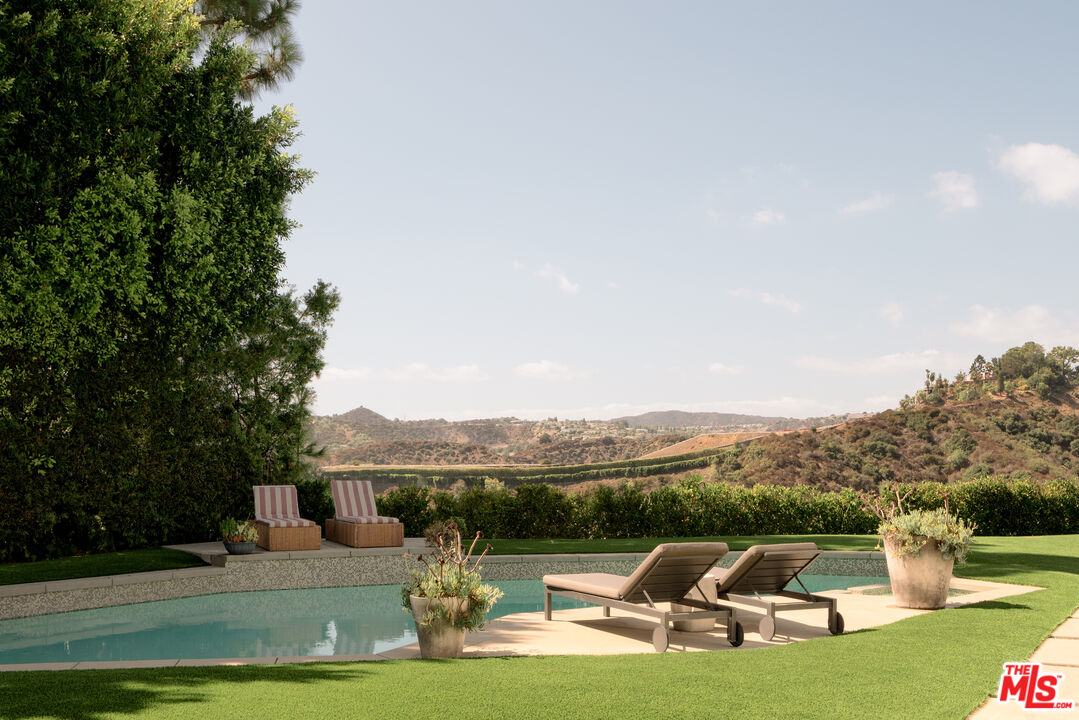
(941, 665)
(117, 563)
(644, 545)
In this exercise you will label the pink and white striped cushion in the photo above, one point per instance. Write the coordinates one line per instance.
(285, 522)
(278, 506)
(354, 501)
(370, 520)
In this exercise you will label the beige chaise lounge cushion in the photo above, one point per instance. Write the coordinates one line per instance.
(728, 578)
(618, 587)
(602, 584)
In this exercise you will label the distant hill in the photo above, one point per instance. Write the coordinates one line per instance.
(361, 416)
(715, 420)
(364, 437)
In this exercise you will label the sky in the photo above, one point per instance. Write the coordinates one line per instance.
(595, 209)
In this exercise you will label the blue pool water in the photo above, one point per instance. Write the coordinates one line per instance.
(314, 622)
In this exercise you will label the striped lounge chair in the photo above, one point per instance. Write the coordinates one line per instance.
(356, 521)
(278, 522)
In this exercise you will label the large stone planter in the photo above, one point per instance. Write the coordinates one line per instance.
(438, 639)
(919, 581)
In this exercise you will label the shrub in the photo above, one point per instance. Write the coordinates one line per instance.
(315, 501)
(999, 506)
(409, 504)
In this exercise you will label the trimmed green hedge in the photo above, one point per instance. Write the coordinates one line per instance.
(693, 508)
(1004, 507)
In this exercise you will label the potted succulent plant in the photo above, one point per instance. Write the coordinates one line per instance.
(239, 538)
(921, 547)
(446, 597)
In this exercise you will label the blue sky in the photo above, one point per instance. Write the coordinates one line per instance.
(602, 208)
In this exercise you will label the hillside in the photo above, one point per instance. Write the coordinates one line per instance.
(1015, 415)
(730, 421)
(704, 442)
(363, 437)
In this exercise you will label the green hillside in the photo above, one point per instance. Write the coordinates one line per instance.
(1013, 416)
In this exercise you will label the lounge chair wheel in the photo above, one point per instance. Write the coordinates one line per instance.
(739, 635)
(660, 639)
(836, 626)
(767, 628)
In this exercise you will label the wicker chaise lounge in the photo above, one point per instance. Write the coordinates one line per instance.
(278, 522)
(356, 521)
(667, 575)
(767, 570)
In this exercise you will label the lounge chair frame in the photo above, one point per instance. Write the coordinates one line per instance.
(766, 576)
(661, 634)
(360, 535)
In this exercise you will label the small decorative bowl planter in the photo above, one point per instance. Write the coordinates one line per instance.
(922, 580)
(238, 538)
(239, 548)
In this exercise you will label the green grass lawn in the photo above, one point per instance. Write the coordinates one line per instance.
(117, 563)
(940, 665)
(638, 545)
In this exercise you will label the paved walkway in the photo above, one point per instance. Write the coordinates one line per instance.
(1059, 654)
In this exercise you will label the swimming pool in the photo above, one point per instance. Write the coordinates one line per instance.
(270, 623)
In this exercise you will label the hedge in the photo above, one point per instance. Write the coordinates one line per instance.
(693, 508)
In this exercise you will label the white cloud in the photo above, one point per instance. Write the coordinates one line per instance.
(518, 265)
(1050, 172)
(883, 364)
(721, 369)
(611, 284)
(881, 402)
(766, 298)
(564, 283)
(548, 370)
(876, 201)
(361, 373)
(892, 312)
(412, 372)
(767, 217)
(1016, 327)
(955, 190)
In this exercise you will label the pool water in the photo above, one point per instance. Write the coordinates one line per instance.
(269, 623)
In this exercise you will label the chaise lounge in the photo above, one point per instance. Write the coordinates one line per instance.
(356, 521)
(667, 575)
(767, 570)
(278, 522)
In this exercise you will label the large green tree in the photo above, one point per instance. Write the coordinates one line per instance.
(267, 26)
(152, 365)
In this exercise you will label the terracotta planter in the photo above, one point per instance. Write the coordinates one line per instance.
(919, 581)
(439, 639)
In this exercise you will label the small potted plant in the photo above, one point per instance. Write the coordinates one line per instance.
(921, 547)
(239, 538)
(445, 596)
